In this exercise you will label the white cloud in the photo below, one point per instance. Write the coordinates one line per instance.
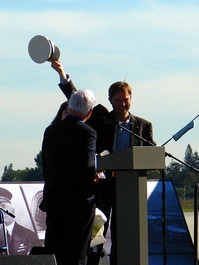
(29, 104)
(20, 153)
(173, 98)
(155, 49)
(65, 1)
(136, 28)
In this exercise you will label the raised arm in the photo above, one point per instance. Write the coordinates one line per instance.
(66, 84)
(57, 66)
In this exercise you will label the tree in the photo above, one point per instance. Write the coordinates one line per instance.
(189, 157)
(183, 176)
(27, 174)
(9, 174)
(154, 174)
(174, 171)
(196, 160)
(37, 173)
(38, 160)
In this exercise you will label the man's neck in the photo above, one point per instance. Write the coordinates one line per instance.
(75, 114)
(80, 116)
(121, 117)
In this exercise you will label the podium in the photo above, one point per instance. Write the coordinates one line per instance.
(130, 167)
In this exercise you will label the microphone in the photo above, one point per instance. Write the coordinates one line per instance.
(7, 212)
(114, 122)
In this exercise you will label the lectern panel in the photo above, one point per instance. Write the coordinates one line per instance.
(134, 158)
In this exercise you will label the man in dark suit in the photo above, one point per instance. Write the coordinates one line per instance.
(19, 238)
(112, 138)
(68, 154)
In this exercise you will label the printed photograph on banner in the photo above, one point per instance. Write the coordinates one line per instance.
(22, 224)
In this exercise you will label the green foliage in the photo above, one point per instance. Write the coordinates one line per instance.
(154, 174)
(27, 174)
(183, 177)
(187, 205)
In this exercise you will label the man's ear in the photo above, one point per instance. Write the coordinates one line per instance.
(85, 118)
(90, 112)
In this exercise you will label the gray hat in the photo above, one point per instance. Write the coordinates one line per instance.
(42, 49)
(5, 195)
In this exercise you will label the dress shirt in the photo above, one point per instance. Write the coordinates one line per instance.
(10, 227)
(122, 137)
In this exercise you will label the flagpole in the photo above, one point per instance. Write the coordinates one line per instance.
(182, 131)
(196, 117)
(167, 141)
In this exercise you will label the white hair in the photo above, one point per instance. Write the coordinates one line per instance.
(81, 101)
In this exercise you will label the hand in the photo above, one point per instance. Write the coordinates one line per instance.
(57, 66)
(100, 174)
(96, 180)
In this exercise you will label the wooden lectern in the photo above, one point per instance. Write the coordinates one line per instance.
(131, 167)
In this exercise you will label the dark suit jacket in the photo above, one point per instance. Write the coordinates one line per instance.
(105, 138)
(68, 155)
(106, 131)
(22, 240)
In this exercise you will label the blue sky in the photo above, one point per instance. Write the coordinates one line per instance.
(154, 45)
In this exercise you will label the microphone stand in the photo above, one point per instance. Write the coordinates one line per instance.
(152, 144)
(4, 248)
(163, 186)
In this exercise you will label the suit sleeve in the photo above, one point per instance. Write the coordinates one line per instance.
(87, 163)
(148, 133)
(68, 89)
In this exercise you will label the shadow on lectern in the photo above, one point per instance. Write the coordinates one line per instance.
(178, 244)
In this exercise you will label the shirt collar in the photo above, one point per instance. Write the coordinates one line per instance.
(10, 228)
(124, 122)
(74, 117)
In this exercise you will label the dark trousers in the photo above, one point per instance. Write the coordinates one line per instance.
(107, 204)
(68, 232)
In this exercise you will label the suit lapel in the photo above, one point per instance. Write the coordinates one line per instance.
(135, 129)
